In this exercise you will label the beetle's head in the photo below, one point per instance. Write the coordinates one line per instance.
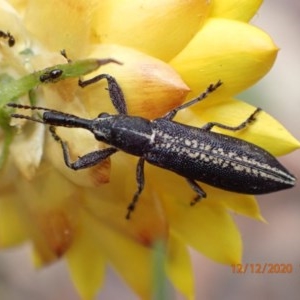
(102, 127)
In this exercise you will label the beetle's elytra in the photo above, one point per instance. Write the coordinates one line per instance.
(197, 154)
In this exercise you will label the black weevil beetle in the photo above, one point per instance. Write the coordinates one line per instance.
(198, 154)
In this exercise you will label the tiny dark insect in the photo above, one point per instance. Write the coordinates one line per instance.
(10, 38)
(195, 153)
(51, 76)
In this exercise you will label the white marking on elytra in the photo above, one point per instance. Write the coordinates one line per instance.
(188, 142)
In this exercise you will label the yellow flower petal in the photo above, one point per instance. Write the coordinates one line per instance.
(20, 5)
(235, 9)
(61, 24)
(86, 262)
(179, 267)
(214, 54)
(214, 234)
(12, 230)
(243, 204)
(127, 255)
(160, 29)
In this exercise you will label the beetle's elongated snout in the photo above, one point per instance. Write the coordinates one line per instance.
(61, 119)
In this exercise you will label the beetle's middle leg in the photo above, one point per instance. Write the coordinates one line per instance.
(86, 161)
(244, 124)
(140, 178)
(211, 88)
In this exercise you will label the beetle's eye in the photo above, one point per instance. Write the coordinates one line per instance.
(103, 115)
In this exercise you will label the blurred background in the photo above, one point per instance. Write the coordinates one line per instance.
(276, 242)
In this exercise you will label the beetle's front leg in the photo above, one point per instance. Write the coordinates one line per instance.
(140, 178)
(115, 92)
(86, 161)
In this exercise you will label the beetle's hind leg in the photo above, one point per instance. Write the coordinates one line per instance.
(196, 187)
(243, 125)
(140, 178)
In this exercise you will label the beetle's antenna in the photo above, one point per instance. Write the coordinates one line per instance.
(19, 116)
(31, 107)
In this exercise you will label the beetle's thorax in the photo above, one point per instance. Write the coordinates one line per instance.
(127, 133)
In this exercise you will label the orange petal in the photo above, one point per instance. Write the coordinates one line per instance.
(151, 87)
